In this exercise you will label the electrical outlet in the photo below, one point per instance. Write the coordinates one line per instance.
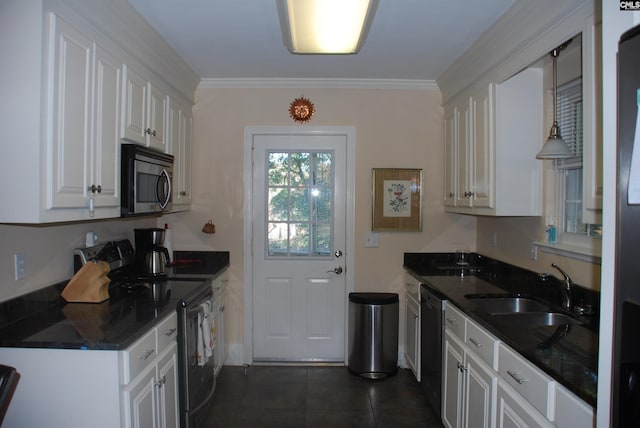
(534, 252)
(18, 266)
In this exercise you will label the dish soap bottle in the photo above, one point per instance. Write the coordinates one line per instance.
(551, 231)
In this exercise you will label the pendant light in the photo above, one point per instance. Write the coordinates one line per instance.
(555, 147)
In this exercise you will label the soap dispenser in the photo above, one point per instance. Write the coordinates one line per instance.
(551, 231)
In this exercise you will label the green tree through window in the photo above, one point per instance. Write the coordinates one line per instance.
(299, 203)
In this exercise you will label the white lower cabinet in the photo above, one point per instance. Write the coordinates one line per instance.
(469, 387)
(134, 387)
(150, 391)
(513, 411)
(151, 399)
(572, 412)
(452, 383)
(487, 384)
(412, 335)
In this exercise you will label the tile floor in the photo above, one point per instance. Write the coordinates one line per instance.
(275, 397)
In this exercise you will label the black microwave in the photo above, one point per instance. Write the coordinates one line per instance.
(146, 181)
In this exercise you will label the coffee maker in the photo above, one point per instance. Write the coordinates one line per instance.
(151, 256)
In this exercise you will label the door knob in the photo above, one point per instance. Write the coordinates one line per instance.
(337, 270)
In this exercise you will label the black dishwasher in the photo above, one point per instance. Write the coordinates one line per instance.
(432, 329)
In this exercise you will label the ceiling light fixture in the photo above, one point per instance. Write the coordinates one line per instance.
(555, 147)
(325, 26)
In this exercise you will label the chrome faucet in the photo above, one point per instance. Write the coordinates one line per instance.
(568, 285)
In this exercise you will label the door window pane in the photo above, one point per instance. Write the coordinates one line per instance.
(299, 204)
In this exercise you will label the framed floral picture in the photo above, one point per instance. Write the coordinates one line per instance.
(397, 200)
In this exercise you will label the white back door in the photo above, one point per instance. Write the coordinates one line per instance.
(299, 240)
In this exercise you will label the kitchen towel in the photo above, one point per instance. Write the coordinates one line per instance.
(206, 333)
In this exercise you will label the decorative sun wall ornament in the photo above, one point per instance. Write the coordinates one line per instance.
(301, 110)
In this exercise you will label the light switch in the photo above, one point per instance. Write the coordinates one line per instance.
(371, 240)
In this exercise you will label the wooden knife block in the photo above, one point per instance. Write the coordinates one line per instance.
(89, 285)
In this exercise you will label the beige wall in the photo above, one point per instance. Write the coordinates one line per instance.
(514, 237)
(394, 128)
(48, 250)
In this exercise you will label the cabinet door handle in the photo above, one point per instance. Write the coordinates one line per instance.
(452, 321)
(153, 133)
(146, 354)
(476, 343)
(160, 382)
(93, 188)
(516, 377)
(222, 308)
(170, 332)
(147, 131)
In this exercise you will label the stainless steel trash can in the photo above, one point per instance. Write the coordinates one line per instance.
(373, 334)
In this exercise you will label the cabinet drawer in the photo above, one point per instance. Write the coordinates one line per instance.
(535, 386)
(454, 320)
(166, 332)
(138, 356)
(482, 344)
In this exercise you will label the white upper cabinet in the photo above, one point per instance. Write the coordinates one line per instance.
(464, 152)
(450, 147)
(145, 112)
(481, 111)
(179, 123)
(75, 100)
(84, 157)
(134, 113)
(157, 113)
(183, 189)
(496, 132)
(70, 77)
(106, 144)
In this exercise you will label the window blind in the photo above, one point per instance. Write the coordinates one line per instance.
(570, 118)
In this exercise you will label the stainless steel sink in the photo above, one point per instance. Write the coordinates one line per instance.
(535, 318)
(507, 305)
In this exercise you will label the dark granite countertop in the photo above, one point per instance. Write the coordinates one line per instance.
(42, 319)
(572, 360)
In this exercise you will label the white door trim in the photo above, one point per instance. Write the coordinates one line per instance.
(249, 132)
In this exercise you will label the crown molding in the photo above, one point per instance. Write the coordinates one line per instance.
(400, 84)
(524, 34)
